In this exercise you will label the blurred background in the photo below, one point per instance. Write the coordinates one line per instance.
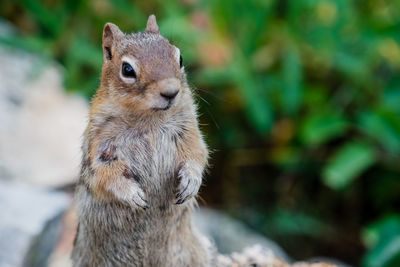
(299, 103)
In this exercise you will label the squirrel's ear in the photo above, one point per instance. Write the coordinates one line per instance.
(152, 26)
(111, 34)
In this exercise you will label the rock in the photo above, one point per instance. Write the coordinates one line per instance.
(40, 124)
(262, 257)
(240, 246)
(251, 256)
(231, 235)
(29, 223)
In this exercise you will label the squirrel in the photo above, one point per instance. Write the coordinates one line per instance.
(143, 159)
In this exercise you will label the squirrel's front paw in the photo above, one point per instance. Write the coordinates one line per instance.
(189, 182)
(128, 190)
(137, 197)
(134, 193)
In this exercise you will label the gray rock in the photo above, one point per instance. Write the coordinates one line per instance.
(231, 235)
(29, 223)
(40, 124)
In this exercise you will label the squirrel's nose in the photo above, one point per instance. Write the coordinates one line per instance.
(169, 95)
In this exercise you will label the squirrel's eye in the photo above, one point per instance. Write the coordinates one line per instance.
(128, 71)
(180, 62)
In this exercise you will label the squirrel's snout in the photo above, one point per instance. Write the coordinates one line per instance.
(169, 88)
(169, 95)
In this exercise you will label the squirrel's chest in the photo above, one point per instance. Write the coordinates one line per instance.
(149, 154)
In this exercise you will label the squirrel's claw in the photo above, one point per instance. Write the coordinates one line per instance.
(138, 198)
(189, 185)
(140, 203)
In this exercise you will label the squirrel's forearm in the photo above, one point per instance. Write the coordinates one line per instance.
(193, 149)
(192, 161)
(105, 165)
(111, 176)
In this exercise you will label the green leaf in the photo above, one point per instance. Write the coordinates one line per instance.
(383, 239)
(52, 21)
(391, 100)
(321, 127)
(351, 65)
(257, 107)
(82, 51)
(347, 164)
(382, 128)
(292, 81)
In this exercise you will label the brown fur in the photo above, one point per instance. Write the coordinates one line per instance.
(143, 160)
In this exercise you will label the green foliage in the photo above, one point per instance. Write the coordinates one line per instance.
(383, 238)
(384, 128)
(347, 164)
(321, 127)
(305, 92)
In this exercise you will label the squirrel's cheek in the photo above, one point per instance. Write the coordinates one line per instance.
(149, 101)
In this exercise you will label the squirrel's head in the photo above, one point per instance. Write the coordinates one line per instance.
(142, 71)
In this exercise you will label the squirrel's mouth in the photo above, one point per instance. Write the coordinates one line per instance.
(163, 108)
